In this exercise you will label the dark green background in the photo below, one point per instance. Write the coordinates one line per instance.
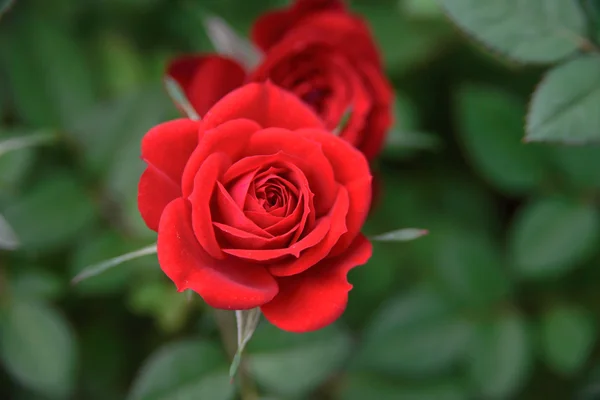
(499, 301)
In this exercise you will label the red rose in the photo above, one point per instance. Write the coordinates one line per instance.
(320, 52)
(258, 205)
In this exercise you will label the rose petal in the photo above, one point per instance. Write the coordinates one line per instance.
(351, 169)
(270, 27)
(317, 297)
(265, 103)
(201, 198)
(205, 79)
(246, 240)
(231, 137)
(380, 118)
(239, 189)
(229, 213)
(336, 223)
(166, 149)
(314, 237)
(226, 284)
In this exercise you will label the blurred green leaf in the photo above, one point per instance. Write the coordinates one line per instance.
(37, 348)
(14, 166)
(471, 269)
(362, 387)
(5, 6)
(404, 44)
(564, 106)
(491, 130)
(49, 75)
(590, 389)
(122, 66)
(552, 235)
(160, 300)
(421, 8)
(23, 141)
(500, 357)
(289, 364)
(8, 237)
(417, 333)
(187, 369)
(36, 283)
(52, 213)
(578, 166)
(568, 334)
(537, 31)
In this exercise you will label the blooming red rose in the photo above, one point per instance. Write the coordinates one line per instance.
(257, 205)
(317, 50)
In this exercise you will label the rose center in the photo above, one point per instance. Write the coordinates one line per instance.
(270, 196)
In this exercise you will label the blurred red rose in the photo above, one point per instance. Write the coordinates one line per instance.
(258, 205)
(317, 50)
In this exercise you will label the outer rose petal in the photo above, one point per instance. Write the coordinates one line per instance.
(352, 171)
(380, 119)
(226, 284)
(265, 103)
(270, 27)
(166, 149)
(317, 297)
(205, 79)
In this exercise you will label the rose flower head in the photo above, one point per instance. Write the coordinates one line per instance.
(319, 51)
(258, 205)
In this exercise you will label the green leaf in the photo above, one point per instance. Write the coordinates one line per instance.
(158, 299)
(52, 213)
(24, 141)
(401, 235)
(48, 73)
(405, 137)
(36, 283)
(8, 237)
(5, 6)
(579, 167)
(564, 105)
(187, 369)
(568, 335)
(500, 357)
(421, 8)
(403, 43)
(551, 236)
(491, 131)
(289, 364)
(37, 348)
(537, 31)
(362, 387)
(14, 166)
(470, 268)
(414, 334)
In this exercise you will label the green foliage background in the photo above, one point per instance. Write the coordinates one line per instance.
(500, 301)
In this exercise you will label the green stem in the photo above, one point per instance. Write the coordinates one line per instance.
(227, 328)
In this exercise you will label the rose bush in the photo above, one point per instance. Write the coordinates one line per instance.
(258, 205)
(317, 50)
